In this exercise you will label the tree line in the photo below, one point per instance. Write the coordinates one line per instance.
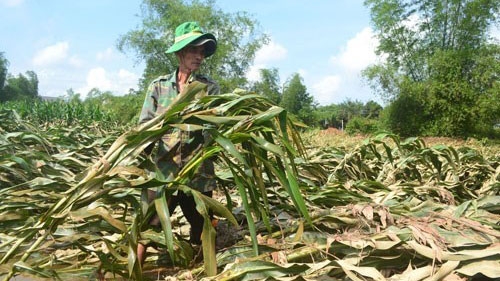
(22, 86)
(442, 67)
(439, 75)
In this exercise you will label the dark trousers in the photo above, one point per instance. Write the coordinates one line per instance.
(188, 207)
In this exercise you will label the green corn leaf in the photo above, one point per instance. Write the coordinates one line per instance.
(164, 215)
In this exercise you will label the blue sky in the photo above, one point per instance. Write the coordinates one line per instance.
(72, 44)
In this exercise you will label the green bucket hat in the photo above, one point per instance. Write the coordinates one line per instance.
(190, 33)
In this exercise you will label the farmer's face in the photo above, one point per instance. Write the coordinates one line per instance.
(191, 57)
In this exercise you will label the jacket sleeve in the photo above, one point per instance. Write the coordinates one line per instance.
(150, 105)
(148, 110)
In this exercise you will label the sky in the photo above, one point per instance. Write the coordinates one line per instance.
(72, 44)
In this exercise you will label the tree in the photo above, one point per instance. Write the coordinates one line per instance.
(297, 100)
(20, 87)
(4, 64)
(371, 110)
(269, 85)
(124, 108)
(327, 116)
(339, 115)
(32, 84)
(404, 115)
(237, 37)
(353, 116)
(72, 96)
(435, 52)
(349, 109)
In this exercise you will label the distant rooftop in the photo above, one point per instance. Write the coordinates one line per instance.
(50, 98)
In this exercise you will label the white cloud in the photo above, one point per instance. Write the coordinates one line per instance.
(56, 54)
(270, 52)
(495, 33)
(253, 73)
(118, 83)
(358, 53)
(61, 70)
(126, 80)
(125, 74)
(326, 89)
(53, 54)
(11, 3)
(343, 81)
(75, 61)
(97, 78)
(105, 55)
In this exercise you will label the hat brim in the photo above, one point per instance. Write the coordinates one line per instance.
(206, 39)
(209, 43)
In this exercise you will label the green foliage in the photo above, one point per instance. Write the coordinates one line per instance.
(465, 116)
(16, 88)
(238, 38)
(338, 115)
(404, 116)
(297, 100)
(102, 107)
(48, 154)
(361, 125)
(328, 116)
(123, 109)
(269, 85)
(486, 73)
(4, 64)
(61, 113)
(350, 109)
(436, 57)
(371, 110)
(72, 96)
(20, 87)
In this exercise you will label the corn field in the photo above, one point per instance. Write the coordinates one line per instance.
(73, 202)
(60, 113)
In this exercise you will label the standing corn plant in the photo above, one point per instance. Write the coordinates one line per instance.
(254, 139)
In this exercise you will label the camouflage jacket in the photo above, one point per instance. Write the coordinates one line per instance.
(176, 147)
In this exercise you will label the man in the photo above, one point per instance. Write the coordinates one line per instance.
(191, 46)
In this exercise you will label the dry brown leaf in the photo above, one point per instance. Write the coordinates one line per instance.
(368, 212)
